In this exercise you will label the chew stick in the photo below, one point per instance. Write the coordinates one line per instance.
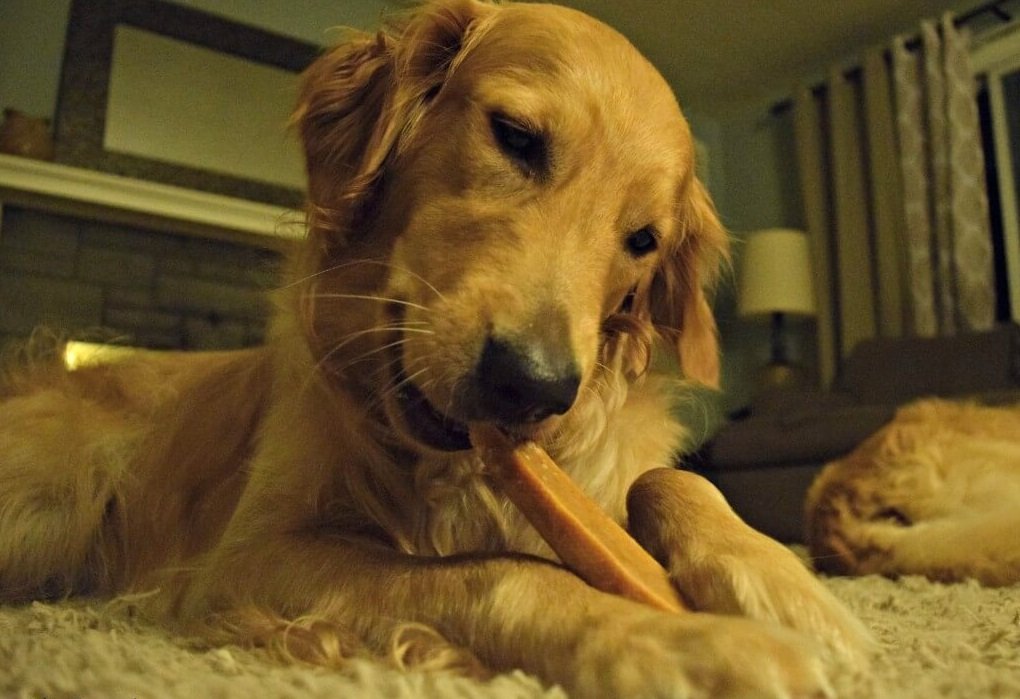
(582, 535)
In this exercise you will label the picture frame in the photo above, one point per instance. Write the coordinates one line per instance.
(81, 116)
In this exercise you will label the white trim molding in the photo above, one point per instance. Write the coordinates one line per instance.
(77, 191)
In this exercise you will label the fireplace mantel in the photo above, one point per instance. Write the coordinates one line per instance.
(89, 194)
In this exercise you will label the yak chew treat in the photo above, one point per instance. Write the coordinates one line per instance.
(582, 535)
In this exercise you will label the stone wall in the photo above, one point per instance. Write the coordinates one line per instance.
(100, 281)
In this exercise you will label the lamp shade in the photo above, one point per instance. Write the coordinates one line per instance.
(775, 274)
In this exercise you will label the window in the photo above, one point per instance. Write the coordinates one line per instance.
(998, 63)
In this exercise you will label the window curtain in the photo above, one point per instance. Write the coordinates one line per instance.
(893, 182)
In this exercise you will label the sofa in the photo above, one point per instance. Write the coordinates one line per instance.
(764, 459)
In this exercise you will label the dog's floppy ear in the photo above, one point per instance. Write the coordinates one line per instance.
(357, 102)
(680, 290)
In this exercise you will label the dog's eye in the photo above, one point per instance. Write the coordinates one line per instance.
(642, 241)
(521, 144)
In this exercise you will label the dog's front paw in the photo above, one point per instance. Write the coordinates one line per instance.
(692, 656)
(762, 579)
(722, 565)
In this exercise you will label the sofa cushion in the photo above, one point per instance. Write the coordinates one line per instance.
(790, 427)
(799, 436)
(896, 370)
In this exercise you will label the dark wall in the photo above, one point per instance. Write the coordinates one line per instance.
(99, 281)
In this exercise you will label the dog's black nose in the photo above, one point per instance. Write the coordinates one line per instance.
(517, 385)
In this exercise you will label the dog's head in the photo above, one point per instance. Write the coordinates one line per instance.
(514, 186)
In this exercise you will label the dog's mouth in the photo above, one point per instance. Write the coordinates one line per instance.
(498, 402)
(427, 424)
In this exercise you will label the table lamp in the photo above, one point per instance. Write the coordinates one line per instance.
(776, 281)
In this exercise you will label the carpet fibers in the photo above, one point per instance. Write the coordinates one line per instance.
(934, 641)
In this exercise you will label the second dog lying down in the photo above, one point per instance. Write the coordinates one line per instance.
(503, 222)
(936, 493)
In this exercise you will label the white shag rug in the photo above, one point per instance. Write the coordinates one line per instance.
(935, 641)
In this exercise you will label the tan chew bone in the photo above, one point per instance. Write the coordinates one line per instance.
(582, 535)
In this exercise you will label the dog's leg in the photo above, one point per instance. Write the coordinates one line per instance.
(513, 612)
(722, 565)
(289, 549)
(61, 460)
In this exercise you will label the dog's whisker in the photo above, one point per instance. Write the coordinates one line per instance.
(324, 361)
(405, 380)
(351, 337)
(390, 386)
(418, 277)
(380, 378)
(372, 352)
(333, 268)
(346, 340)
(382, 263)
(609, 370)
(599, 383)
(370, 297)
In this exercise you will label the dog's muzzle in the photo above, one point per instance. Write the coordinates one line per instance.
(516, 383)
(513, 384)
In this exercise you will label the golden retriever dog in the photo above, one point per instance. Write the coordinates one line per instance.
(936, 492)
(504, 226)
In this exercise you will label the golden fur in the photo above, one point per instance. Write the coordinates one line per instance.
(936, 492)
(280, 497)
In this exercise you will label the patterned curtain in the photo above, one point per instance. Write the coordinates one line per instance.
(892, 176)
(949, 242)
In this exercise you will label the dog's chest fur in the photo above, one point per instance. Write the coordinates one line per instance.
(460, 512)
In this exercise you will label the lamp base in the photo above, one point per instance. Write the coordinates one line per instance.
(775, 377)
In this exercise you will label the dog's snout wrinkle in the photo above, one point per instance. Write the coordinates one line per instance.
(518, 383)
